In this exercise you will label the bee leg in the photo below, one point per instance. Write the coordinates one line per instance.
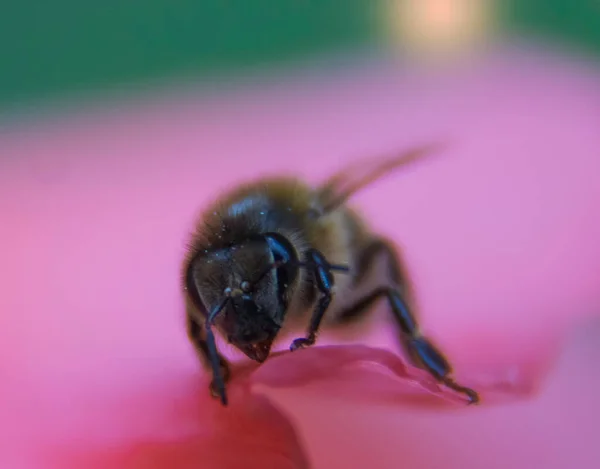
(420, 349)
(224, 366)
(324, 280)
(196, 335)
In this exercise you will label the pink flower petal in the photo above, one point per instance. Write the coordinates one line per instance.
(355, 373)
(251, 434)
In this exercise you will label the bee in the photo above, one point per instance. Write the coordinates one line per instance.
(280, 250)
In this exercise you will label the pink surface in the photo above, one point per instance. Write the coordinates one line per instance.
(500, 235)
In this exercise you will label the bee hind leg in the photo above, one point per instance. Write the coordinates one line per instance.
(420, 350)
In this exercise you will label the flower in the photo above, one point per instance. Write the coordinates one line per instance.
(500, 238)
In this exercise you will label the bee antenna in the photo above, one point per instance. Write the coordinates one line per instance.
(277, 264)
(212, 350)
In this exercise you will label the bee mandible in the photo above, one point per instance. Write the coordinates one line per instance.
(279, 251)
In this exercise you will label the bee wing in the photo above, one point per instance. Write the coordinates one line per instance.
(342, 185)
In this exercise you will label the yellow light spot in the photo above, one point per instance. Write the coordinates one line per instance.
(439, 27)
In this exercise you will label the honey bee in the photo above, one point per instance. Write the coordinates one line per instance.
(281, 250)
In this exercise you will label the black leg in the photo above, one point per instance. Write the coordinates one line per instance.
(420, 349)
(323, 276)
(196, 334)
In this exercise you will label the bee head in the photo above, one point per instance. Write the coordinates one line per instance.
(253, 288)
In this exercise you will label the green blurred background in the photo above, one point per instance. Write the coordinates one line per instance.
(53, 49)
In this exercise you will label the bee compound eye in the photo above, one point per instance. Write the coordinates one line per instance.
(245, 286)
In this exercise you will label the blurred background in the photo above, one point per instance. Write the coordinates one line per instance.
(51, 52)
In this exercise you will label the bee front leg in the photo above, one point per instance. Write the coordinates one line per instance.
(324, 281)
(197, 336)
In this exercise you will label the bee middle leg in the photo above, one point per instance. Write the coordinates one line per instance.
(196, 334)
(420, 349)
